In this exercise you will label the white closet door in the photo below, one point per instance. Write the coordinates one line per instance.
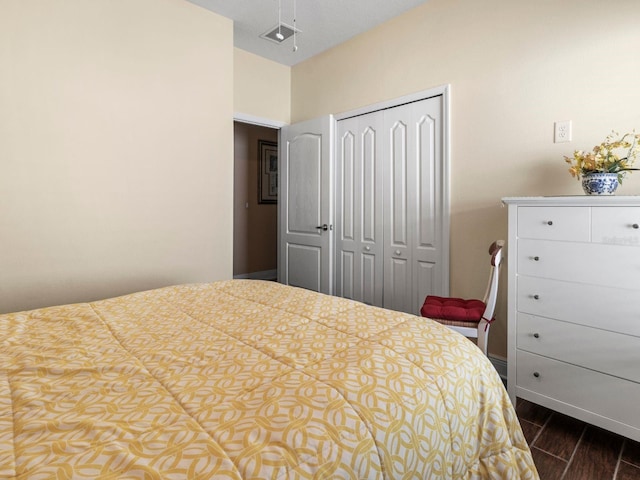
(413, 226)
(359, 227)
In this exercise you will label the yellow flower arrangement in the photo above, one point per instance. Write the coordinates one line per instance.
(607, 157)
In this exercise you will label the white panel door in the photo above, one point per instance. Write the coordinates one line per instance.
(359, 227)
(428, 260)
(305, 205)
(399, 150)
(413, 210)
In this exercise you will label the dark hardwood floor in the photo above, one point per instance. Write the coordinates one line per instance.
(564, 448)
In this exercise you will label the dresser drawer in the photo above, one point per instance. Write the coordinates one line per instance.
(590, 305)
(615, 266)
(599, 350)
(604, 395)
(554, 223)
(618, 226)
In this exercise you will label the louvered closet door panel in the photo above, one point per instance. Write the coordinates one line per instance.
(359, 231)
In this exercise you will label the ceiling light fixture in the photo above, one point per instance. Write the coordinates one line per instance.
(281, 32)
(295, 41)
(279, 35)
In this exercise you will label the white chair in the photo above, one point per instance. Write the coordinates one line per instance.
(472, 318)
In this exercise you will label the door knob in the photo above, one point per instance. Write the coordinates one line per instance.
(323, 227)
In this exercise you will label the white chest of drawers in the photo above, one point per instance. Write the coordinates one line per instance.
(574, 307)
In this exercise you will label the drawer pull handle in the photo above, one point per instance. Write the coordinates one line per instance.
(549, 222)
(367, 248)
(536, 374)
(536, 258)
(536, 297)
(398, 252)
(635, 225)
(536, 335)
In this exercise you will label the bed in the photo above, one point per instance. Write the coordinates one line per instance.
(248, 379)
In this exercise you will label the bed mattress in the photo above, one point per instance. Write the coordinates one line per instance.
(247, 379)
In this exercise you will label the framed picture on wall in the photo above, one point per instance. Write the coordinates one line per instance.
(267, 172)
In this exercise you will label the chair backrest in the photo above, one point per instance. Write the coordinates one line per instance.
(491, 295)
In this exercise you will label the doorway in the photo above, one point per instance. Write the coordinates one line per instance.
(255, 216)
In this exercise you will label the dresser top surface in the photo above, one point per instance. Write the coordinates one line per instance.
(577, 200)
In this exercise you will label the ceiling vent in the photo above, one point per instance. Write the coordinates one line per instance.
(285, 31)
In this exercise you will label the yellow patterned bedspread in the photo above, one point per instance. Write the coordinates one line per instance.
(248, 380)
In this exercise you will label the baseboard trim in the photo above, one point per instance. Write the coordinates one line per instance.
(500, 364)
(263, 275)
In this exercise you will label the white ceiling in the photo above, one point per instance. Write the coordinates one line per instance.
(322, 23)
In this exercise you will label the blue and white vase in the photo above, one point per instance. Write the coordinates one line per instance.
(600, 183)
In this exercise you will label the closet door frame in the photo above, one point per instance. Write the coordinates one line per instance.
(445, 92)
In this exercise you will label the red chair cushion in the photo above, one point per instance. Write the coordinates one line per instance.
(457, 309)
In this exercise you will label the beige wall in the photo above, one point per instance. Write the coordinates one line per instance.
(115, 136)
(115, 148)
(262, 88)
(255, 225)
(262, 91)
(514, 68)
